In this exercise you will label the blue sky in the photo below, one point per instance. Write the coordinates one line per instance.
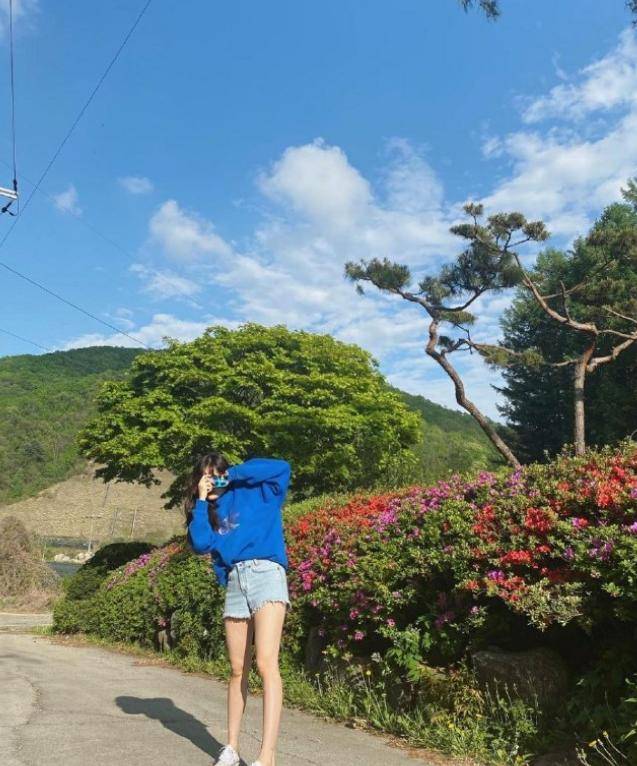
(239, 153)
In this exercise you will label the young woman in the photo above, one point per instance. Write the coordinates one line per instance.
(234, 513)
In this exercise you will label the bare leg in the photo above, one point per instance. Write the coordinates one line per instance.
(268, 627)
(239, 642)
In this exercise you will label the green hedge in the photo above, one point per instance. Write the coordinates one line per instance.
(392, 593)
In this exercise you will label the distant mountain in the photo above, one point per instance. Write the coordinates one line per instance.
(46, 399)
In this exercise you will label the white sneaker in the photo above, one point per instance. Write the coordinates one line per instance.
(228, 757)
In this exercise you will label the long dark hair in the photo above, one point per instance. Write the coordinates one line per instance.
(208, 460)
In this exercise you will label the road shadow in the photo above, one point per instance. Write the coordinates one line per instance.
(174, 719)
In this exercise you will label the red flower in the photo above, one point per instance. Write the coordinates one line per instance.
(517, 557)
(537, 520)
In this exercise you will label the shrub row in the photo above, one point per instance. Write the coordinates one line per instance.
(407, 584)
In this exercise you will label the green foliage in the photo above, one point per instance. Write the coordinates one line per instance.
(491, 8)
(319, 403)
(450, 442)
(630, 192)
(46, 399)
(403, 586)
(80, 609)
(52, 397)
(539, 397)
(90, 576)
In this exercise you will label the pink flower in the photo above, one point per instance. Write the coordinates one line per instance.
(359, 635)
(632, 529)
(391, 623)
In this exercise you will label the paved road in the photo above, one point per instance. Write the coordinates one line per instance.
(69, 705)
(17, 622)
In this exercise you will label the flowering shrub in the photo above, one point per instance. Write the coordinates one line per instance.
(408, 581)
(553, 543)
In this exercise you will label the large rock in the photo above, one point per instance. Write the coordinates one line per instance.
(536, 673)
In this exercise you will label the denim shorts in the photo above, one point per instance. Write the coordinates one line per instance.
(253, 583)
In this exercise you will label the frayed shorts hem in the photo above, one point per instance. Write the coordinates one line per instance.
(256, 608)
(251, 585)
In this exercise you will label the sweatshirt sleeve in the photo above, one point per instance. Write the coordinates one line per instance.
(276, 473)
(202, 535)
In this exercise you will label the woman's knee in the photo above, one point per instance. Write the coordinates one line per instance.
(238, 669)
(267, 666)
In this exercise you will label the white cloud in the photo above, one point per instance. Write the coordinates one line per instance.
(185, 236)
(23, 11)
(318, 182)
(322, 211)
(607, 83)
(151, 334)
(136, 184)
(67, 201)
(566, 176)
(161, 284)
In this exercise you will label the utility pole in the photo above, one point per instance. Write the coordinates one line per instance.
(90, 534)
(114, 522)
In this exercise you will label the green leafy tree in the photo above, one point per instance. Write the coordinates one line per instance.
(600, 337)
(321, 404)
(489, 263)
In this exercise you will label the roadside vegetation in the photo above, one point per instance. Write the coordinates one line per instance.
(396, 594)
(27, 583)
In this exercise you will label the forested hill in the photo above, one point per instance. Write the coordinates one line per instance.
(451, 441)
(46, 399)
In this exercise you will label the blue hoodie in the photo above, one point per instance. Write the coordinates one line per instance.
(251, 525)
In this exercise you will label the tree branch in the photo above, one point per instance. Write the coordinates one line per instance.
(461, 397)
(621, 316)
(586, 327)
(599, 360)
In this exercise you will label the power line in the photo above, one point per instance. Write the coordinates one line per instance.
(78, 118)
(48, 168)
(69, 303)
(77, 216)
(25, 340)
